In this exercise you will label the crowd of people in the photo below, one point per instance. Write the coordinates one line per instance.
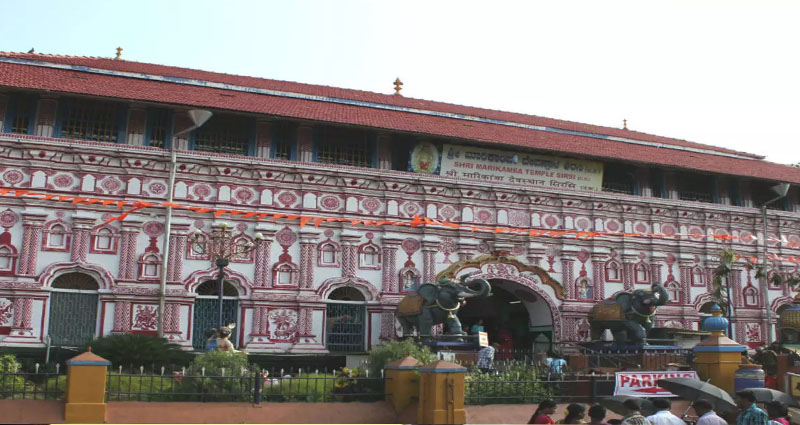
(776, 413)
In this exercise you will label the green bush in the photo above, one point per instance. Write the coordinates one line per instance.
(13, 386)
(142, 387)
(313, 387)
(139, 350)
(396, 350)
(517, 385)
(237, 387)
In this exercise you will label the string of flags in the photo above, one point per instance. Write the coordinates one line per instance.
(129, 207)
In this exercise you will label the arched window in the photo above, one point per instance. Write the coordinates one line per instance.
(674, 292)
(346, 293)
(211, 288)
(73, 309)
(327, 254)
(369, 256)
(104, 241)
(750, 296)
(8, 258)
(150, 266)
(56, 237)
(613, 272)
(197, 247)
(642, 273)
(698, 276)
(241, 243)
(584, 289)
(285, 273)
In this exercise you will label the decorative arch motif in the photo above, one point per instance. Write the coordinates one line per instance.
(750, 296)
(780, 302)
(537, 289)
(241, 240)
(328, 253)
(701, 299)
(409, 278)
(521, 268)
(642, 273)
(329, 285)
(613, 270)
(674, 290)
(103, 277)
(369, 256)
(584, 289)
(104, 240)
(239, 280)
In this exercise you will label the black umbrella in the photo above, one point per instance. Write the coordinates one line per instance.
(693, 389)
(614, 404)
(764, 395)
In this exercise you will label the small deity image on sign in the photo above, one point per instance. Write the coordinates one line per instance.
(424, 159)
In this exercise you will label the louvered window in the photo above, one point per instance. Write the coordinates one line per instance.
(158, 123)
(23, 109)
(344, 147)
(285, 138)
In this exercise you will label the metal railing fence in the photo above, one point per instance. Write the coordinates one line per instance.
(32, 386)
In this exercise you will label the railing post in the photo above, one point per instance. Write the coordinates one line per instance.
(441, 394)
(593, 394)
(257, 393)
(401, 382)
(86, 389)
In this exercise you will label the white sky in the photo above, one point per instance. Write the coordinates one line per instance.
(723, 73)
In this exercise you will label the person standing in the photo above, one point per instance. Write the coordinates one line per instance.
(778, 413)
(706, 414)
(543, 412)
(597, 414)
(631, 410)
(663, 416)
(486, 358)
(477, 328)
(575, 414)
(751, 414)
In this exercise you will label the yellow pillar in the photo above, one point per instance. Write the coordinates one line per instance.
(718, 357)
(86, 389)
(401, 382)
(441, 394)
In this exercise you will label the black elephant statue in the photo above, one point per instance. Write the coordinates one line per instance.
(433, 304)
(629, 315)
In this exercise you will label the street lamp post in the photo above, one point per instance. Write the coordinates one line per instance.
(220, 248)
(198, 117)
(781, 190)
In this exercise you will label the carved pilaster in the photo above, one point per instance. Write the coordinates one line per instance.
(655, 273)
(389, 270)
(81, 237)
(736, 287)
(627, 276)
(387, 326)
(349, 255)
(31, 240)
(466, 250)
(127, 253)
(122, 317)
(598, 277)
(568, 274)
(429, 249)
(263, 264)
(308, 247)
(172, 318)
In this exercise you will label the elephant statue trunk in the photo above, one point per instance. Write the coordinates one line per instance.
(433, 304)
(629, 315)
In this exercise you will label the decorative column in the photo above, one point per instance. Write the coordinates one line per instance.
(384, 143)
(387, 325)
(263, 139)
(305, 137)
(263, 263)
(32, 223)
(627, 275)
(308, 246)
(81, 237)
(122, 317)
(389, 277)
(305, 318)
(429, 249)
(136, 126)
(349, 254)
(567, 274)
(172, 315)
(46, 117)
(466, 250)
(127, 252)
(599, 278)
(179, 235)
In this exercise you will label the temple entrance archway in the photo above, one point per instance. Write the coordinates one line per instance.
(525, 301)
(206, 311)
(73, 309)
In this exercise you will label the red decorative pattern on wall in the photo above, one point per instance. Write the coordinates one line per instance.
(598, 272)
(389, 276)
(127, 255)
(307, 264)
(31, 240)
(567, 274)
(122, 316)
(261, 277)
(429, 265)
(349, 260)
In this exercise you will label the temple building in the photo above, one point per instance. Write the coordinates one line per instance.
(82, 128)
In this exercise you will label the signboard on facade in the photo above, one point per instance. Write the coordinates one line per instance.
(793, 384)
(501, 167)
(643, 384)
(483, 339)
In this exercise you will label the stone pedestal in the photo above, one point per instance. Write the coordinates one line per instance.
(86, 386)
(441, 394)
(401, 382)
(718, 357)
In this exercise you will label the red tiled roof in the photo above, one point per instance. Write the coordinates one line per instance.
(59, 80)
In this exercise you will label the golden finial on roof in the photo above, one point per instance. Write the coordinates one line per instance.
(119, 53)
(398, 85)
(624, 124)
